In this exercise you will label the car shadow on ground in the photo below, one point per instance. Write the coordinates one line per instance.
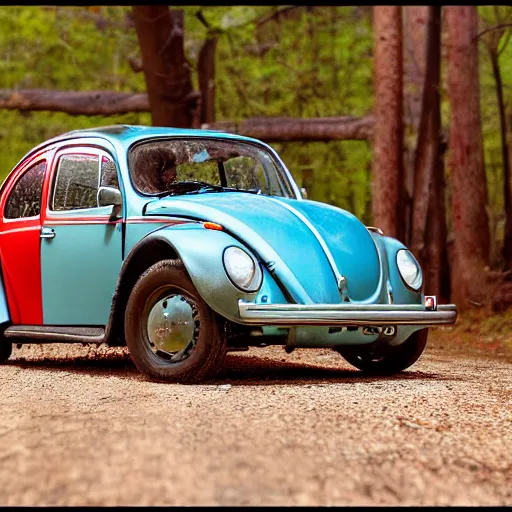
(238, 370)
(254, 371)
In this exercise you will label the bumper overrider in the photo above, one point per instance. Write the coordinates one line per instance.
(427, 314)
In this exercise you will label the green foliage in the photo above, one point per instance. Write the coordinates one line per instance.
(492, 17)
(310, 62)
(60, 48)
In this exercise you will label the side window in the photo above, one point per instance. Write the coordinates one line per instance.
(25, 198)
(76, 182)
(108, 173)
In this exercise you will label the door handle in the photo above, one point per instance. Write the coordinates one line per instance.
(47, 233)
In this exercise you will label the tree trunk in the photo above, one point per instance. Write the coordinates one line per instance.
(414, 54)
(166, 71)
(437, 270)
(428, 221)
(508, 138)
(206, 75)
(387, 196)
(427, 149)
(415, 37)
(469, 196)
(507, 242)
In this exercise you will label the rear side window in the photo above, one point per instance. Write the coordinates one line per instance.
(76, 182)
(25, 198)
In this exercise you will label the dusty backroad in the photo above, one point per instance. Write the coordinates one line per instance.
(82, 427)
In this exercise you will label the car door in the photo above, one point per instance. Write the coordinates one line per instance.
(81, 246)
(20, 226)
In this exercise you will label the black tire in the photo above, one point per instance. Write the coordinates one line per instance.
(205, 359)
(5, 349)
(393, 360)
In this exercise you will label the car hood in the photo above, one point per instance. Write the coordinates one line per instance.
(308, 237)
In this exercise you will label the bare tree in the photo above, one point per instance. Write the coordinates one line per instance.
(387, 197)
(469, 195)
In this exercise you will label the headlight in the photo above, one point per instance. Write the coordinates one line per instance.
(409, 269)
(241, 268)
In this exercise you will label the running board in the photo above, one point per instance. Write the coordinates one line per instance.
(28, 334)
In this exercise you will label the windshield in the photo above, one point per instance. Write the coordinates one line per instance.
(192, 166)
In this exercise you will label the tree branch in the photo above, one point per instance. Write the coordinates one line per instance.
(490, 29)
(275, 15)
(201, 18)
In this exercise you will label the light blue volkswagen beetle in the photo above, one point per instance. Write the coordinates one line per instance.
(185, 244)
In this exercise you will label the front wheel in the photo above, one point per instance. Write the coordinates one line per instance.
(393, 360)
(171, 333)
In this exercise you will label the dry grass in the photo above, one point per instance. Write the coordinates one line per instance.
(479, 332)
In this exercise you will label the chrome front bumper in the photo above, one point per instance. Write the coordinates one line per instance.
(345, 314)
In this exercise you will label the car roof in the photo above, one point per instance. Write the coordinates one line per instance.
(124, 132)
(128, 134)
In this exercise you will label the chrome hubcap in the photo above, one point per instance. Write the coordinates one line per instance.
(173, 327)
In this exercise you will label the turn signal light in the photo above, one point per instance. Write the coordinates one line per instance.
(430, 302)
(212, 225)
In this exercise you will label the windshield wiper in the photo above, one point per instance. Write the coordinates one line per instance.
(198, 187)
(194, 187)
(232, 189)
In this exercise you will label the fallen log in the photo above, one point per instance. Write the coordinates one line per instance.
(108, 103)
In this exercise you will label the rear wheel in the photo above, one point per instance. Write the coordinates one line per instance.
(392, 360)
(5, 348)
(171, 333)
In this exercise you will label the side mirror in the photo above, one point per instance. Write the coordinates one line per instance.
(109, 196)
(304, 193)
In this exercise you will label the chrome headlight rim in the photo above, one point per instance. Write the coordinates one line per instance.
(417, 283)
(257, 278)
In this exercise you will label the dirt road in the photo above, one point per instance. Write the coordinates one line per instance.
(82, 427)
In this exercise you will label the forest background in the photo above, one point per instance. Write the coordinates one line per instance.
(401, 115)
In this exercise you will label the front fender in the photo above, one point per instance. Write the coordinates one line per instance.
(400, 292)
(201, 251)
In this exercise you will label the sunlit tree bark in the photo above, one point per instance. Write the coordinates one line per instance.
(387, 197)
(469, 195)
